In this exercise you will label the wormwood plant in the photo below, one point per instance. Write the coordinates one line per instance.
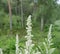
(48, 42)
(29, 44)
(17, 44)
(1, 51)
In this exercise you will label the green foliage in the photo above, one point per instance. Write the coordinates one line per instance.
(57, 25)
(5, 21)
(46, 8)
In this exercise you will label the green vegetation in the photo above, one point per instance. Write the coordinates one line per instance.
(13, 15)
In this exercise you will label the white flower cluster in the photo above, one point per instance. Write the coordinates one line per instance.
(29, 44)
(48, 42)
(17, 46)
(1, 51)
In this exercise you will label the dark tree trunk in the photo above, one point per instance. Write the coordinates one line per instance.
(16, 7)
(22, 23)
(42, 23)
(10, 14)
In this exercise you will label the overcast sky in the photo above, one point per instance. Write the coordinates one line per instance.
(58, 1)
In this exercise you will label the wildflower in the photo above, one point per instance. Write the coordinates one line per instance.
(17, 46)
(48, 42)
(1, 51)
(29, 44)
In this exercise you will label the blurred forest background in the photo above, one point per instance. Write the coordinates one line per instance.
(13, 15)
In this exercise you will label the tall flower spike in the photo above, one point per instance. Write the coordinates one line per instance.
(1, 51)
(49, 34)
(29, 44)
(17, 46)
(48, 42)
(49, 37)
